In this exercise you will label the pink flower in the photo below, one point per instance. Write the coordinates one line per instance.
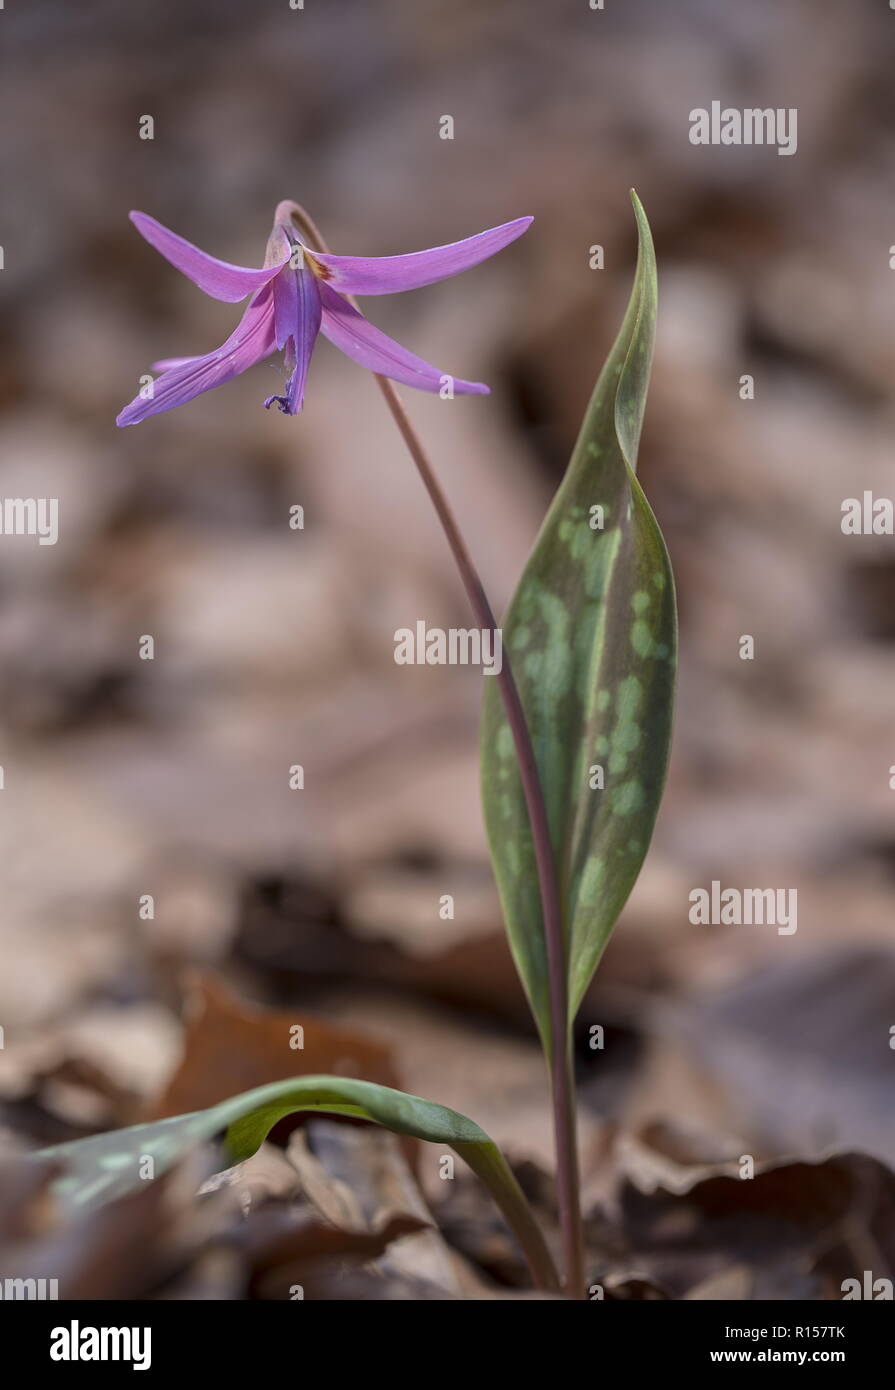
(297, 294)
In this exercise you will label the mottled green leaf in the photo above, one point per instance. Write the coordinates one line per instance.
(106, 1166)
(591, 634)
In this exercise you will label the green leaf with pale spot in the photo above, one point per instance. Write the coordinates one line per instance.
(110, 1165)
(591, 634)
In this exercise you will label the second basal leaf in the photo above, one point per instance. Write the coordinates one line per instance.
(102, 1167)
(591, 633)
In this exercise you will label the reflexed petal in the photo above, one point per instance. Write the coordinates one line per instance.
(220, 279)
(297, 310)
(252, 341)
(164, 364)
(388, 274)
(358, 339)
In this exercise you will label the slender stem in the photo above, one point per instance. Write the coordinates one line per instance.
(559, 1052)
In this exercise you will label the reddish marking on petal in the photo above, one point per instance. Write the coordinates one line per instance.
(322, 272)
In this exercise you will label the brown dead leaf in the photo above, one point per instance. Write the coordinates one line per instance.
(829, 1016)
(359, 1179)
(797, 1228)
(232, 1046)
(292, 1249)
(333, 1200)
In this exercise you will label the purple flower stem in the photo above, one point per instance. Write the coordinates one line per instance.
(560, 1052)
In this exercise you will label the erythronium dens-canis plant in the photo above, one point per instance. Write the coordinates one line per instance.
(576, 727)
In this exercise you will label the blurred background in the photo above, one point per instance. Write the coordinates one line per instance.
(169, 777)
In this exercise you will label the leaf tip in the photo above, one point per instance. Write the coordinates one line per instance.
(639, 212)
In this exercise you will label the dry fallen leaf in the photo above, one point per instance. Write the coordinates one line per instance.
(231, 1046)
(804, 1047)
(359, 1178)
(796, 1228)
(294, 1250)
